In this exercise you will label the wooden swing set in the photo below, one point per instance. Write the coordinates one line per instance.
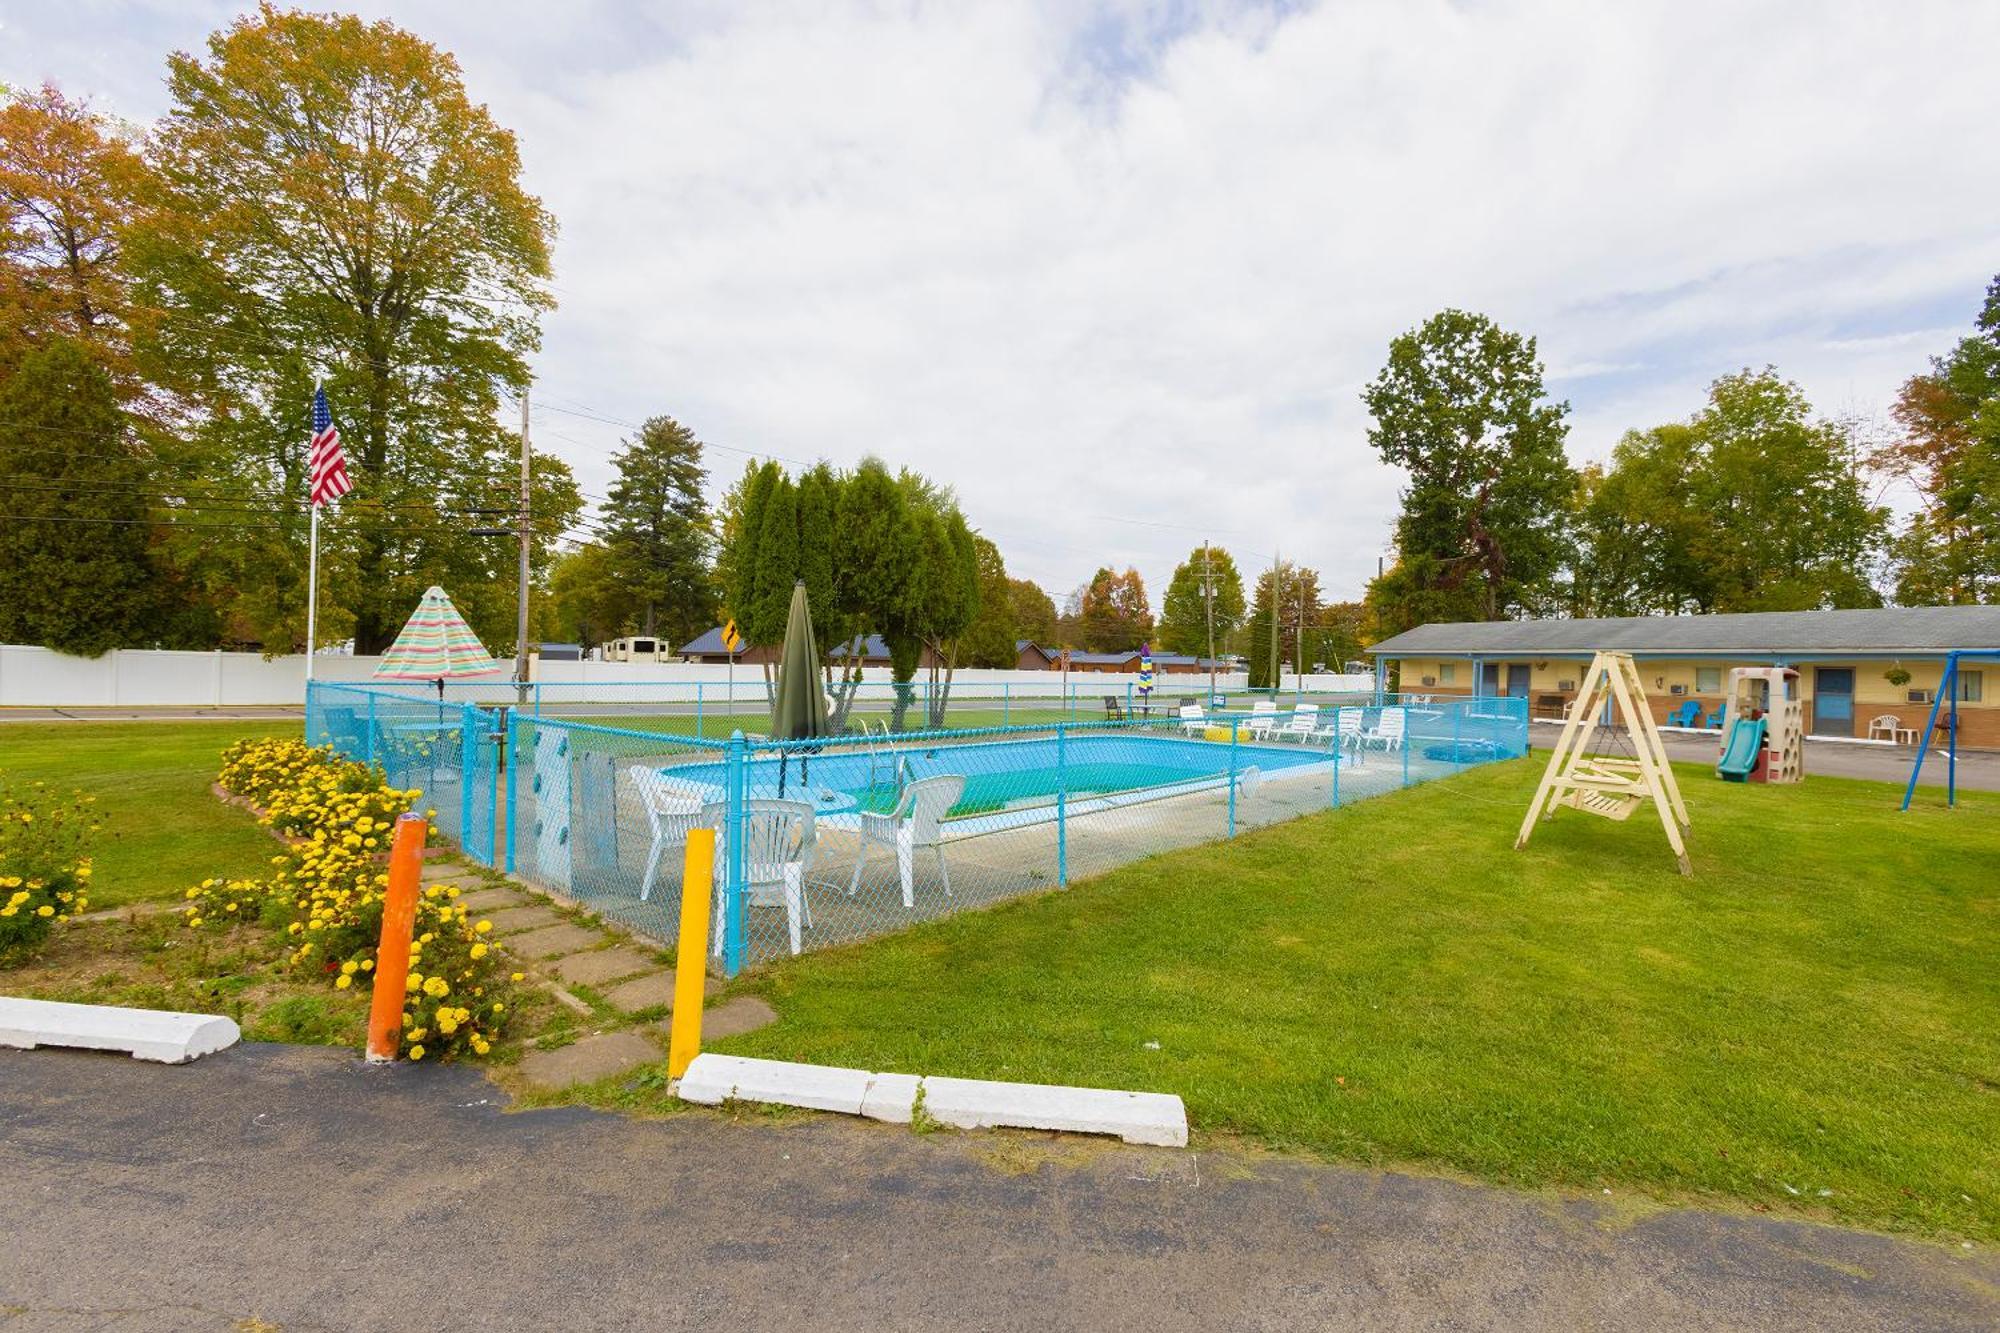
(1608, 786)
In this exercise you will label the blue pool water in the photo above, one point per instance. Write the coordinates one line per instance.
(1006, 774)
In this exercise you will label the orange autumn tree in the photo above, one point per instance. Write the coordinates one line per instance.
(70, 181)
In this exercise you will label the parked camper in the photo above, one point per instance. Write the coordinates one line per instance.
(638, 648)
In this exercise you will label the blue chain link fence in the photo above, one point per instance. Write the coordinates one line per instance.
(840, 838)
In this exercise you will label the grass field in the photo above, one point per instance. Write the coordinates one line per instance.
(1807, 1024)
(163, 829)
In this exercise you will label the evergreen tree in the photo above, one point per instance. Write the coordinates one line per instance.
(657, 531)
(75, 570)
(1297, 606)
(1185, 613)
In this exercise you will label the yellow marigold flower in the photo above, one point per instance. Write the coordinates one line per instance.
(499, 1007)
(437, 987)
(349, 966)
(343, 981)
(519, 976)
(415, 980)
(480, 1046)
(45, 910)
(482, 926)
(417, 1051)
(479, 950)
(192, 921)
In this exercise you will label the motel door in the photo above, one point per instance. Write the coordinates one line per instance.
(1833, 701)
(1504, 678)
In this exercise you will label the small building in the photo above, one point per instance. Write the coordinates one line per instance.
(1861, 672)
(1031, 656)
(559, 652)
(874, 652)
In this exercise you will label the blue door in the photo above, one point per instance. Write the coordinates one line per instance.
(1517, 679)
(1833, 701)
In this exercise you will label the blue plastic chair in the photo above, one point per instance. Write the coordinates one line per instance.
(1688, 714)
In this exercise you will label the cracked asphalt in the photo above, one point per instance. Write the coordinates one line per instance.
(293, 1188)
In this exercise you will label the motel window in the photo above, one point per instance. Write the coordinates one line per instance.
(1708, 680)
(1447, 672)
(1971, 686)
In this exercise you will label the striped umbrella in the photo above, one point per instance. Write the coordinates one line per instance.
(436, 645)
(1145, 670)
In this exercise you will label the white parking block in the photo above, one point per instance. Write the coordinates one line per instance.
(891, 1097)
(718, 1078)
(1136, 1117)
(145, 1034)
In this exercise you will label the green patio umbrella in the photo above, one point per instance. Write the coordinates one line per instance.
(799, 711)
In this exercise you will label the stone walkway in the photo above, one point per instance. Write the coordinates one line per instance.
(622, 986)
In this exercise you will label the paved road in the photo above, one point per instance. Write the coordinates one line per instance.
(298, 1187)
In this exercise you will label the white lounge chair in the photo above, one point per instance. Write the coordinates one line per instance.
(1344, 731)
(1263, 716)
(1193, 721)
(1301, 725)
(673, 807)
(778, 840)
(917, 821)
(1389, 731)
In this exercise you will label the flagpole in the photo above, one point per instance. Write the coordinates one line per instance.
(312, 592)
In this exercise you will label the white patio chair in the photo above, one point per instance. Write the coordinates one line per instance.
(1389, 731)
(673, 807)
(917, 821)
(1193, 721)
(1303, 722)
(1884, 727)
(1263, 716)
(1344, 731)
(778, 841)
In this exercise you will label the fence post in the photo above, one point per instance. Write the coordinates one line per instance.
(392, 951)
(1336, 758)
(538, 698)
(1406, 743)
(468, 762)
(1006, 704)
(513, 784)
(368, 743)
(733, 888)
(1457, 756)
(697, 710)
(1062, 808)
(1232, 777)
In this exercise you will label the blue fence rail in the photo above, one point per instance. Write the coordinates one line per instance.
(839, 838)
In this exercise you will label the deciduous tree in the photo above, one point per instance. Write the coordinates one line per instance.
(1461, 407)
(1111, 611)
(1185, 613)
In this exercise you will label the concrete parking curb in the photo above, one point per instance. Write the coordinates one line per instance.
(1153, 1118)
(145, 1034)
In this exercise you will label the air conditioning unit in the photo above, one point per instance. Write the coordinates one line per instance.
(1430, 680)
(1566, 686)
(1923, 696)
(1677, 689)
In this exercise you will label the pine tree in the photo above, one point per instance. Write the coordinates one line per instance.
(75, 570)
(657, 531)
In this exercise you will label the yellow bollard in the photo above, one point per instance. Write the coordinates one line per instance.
(691, 962)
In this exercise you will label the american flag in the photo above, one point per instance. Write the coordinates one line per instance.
(329, 465)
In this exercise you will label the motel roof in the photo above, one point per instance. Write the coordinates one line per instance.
(1913, 630)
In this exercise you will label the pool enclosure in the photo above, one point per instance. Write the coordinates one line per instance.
(836, 839)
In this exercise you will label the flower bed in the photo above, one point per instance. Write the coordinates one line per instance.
(44, 864)
(325, 895)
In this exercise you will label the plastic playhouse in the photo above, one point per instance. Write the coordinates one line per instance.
(1763, 727)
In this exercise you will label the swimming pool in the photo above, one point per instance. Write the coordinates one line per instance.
(1009, 782)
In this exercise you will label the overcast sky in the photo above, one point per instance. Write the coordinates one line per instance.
(1117, 272)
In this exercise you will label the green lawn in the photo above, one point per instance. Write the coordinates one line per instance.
(1807, 1024)
(163, 829)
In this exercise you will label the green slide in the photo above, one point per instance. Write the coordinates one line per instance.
(1746, 738)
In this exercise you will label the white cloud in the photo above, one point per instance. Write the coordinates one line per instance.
(1121, 262)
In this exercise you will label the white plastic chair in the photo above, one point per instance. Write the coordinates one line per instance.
(778, 841)
(1884, 727)
(1263, 716)
(1344, 732)
(1193, 721)
(1303, 722)
(917, 821)
(1389, 730)
(673, 808)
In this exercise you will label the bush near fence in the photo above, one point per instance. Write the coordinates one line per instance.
(840, 838)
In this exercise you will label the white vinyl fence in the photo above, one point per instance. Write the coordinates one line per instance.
(34, 677)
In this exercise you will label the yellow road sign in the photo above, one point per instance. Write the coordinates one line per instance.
(732, 640)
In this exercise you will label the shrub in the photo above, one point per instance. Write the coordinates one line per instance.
(44, 863)
(325, 893)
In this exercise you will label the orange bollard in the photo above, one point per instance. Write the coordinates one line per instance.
(691, 967)
(392, 957)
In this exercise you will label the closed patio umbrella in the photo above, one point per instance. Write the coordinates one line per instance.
(799, 711)
(436, 644)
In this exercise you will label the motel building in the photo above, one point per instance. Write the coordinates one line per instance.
(1863, 675)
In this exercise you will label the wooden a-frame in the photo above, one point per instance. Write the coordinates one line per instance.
(1612, 788)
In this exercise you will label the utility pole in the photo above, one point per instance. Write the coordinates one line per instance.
(1299, 648)
(1208, 610)
(521, 610)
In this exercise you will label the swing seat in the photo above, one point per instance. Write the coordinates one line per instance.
(1609, 804)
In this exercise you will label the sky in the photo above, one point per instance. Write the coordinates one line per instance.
(1118, 272)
